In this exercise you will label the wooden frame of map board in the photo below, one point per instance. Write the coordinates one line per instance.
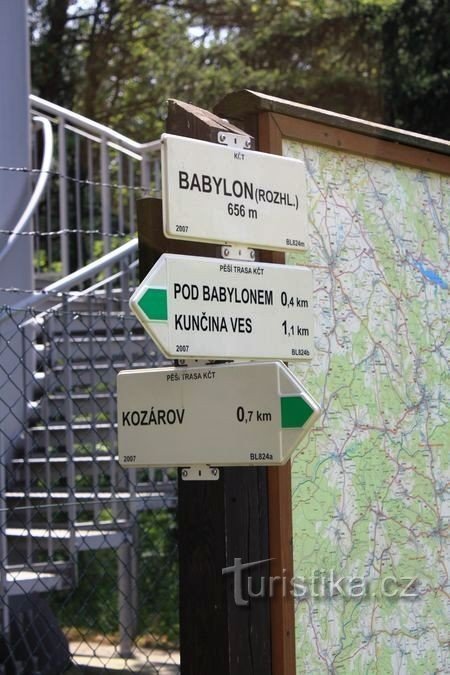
(271, 120)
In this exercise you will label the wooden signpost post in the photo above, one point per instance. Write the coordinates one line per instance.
(214, 309)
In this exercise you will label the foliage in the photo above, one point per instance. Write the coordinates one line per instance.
(158, 576)
(117, 61)
(93, 608)
(416, 66)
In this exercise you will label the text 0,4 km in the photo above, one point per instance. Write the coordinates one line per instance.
(247, 416)
(293, 301)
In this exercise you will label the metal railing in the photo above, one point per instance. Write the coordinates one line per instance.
(30, 208)
(89, 207)
(50, 293)
(66, 505)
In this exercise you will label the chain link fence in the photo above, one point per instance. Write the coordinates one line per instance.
(89, 570)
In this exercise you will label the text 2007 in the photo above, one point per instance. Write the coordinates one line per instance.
(182, 348)
(129, 458)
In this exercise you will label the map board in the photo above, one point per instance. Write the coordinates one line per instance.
(369, 502)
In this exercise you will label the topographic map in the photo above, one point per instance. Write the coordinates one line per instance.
(371, 505)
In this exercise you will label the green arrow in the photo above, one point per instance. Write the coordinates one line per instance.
(154, 304)
(295, 412)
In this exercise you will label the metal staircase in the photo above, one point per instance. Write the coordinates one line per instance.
(62, 490)
(66, 492)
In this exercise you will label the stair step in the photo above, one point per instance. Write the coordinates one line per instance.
(82, 322)
(103, 364)
(142, 500)
(97, 469)
(20, 580)
(86, 462)
(111, 298)
(56, 435)
(25, 582)
(84, 404)
(99, 376)
(55, 427)
(92, 368)
(100, 348)
(86, 338)
(64, 459)
(85, 539)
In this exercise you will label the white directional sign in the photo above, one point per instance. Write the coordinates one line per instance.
(220, 194)
(214, 308)
(246, 414)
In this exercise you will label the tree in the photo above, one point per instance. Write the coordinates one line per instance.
(53, 51)
(113, 60)
(416, 66)
(119, 60)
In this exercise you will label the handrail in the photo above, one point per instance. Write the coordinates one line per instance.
(90, 125)
(92, 268)
(40, 318)
(44, 173)
(76, 277)
(47, 114)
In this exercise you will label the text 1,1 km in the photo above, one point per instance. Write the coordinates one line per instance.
(291, 329)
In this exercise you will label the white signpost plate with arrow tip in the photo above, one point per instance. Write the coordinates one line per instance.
(220, 309)
(226, 415)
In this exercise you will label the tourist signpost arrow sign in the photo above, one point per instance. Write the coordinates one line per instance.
(221, 194)
(226, 415)
(212, 308)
